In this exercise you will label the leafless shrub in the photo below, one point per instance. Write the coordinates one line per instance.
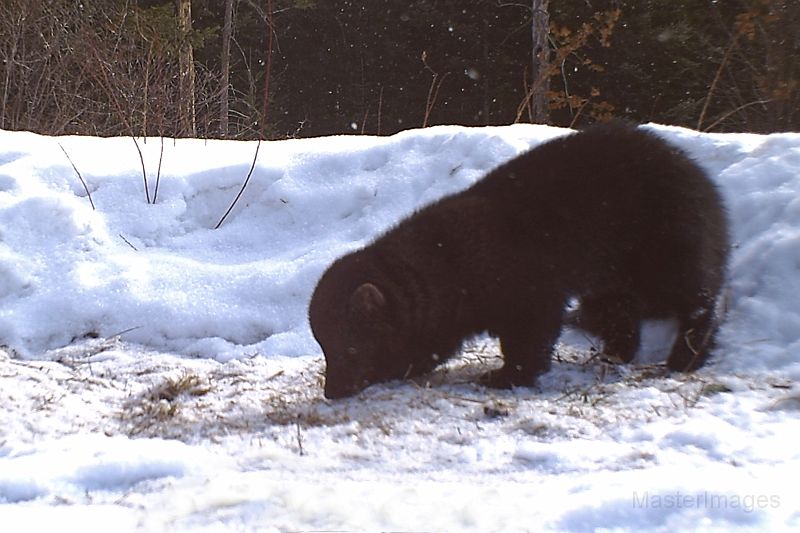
(99, 68)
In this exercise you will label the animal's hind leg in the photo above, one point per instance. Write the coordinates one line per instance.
(616, 319)
(696, 332)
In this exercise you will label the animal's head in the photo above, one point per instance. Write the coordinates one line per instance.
(357, 324)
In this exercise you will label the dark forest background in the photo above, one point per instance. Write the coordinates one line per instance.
(296, 68)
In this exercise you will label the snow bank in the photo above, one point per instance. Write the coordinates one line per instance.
(161, 275)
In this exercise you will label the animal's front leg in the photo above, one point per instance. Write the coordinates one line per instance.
(526, 347)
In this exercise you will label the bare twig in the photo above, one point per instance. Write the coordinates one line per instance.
(158, 173)
(244, 185)
(144, 171)
(714, 82)
(433, 91)
(734, 111)
(124, 331)
(299, 438)
(121, 236)
(364, 121)
(380, 109)
(83, 182)
(578, 114)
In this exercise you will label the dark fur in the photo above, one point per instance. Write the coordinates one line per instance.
(613, 216)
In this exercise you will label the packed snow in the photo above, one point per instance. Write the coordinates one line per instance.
(158, 374)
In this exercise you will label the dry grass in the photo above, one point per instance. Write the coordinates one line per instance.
(156, 395)
(162, 404)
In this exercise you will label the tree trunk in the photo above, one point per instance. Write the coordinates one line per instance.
(224, 93)
(268, 70)
(187, 75)
(540, 28)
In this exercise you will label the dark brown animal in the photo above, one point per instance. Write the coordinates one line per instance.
(613, 216)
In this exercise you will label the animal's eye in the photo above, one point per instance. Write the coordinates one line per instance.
(351, 351)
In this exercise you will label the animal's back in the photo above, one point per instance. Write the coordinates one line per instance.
(614, 197)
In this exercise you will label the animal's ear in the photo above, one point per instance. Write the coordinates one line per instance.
(367, 299)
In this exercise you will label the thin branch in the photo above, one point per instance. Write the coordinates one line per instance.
(121, 236)
(734, 111)
(578, 114)
(717, 76)
(300, 450)
(380, 109)
(433, 90)
(526, 102)
(364, 121)
(124, 331)
(158, 173)
(144, 171)
(83, 182)
(244, 185)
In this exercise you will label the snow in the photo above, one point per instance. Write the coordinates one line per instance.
(159, 374)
